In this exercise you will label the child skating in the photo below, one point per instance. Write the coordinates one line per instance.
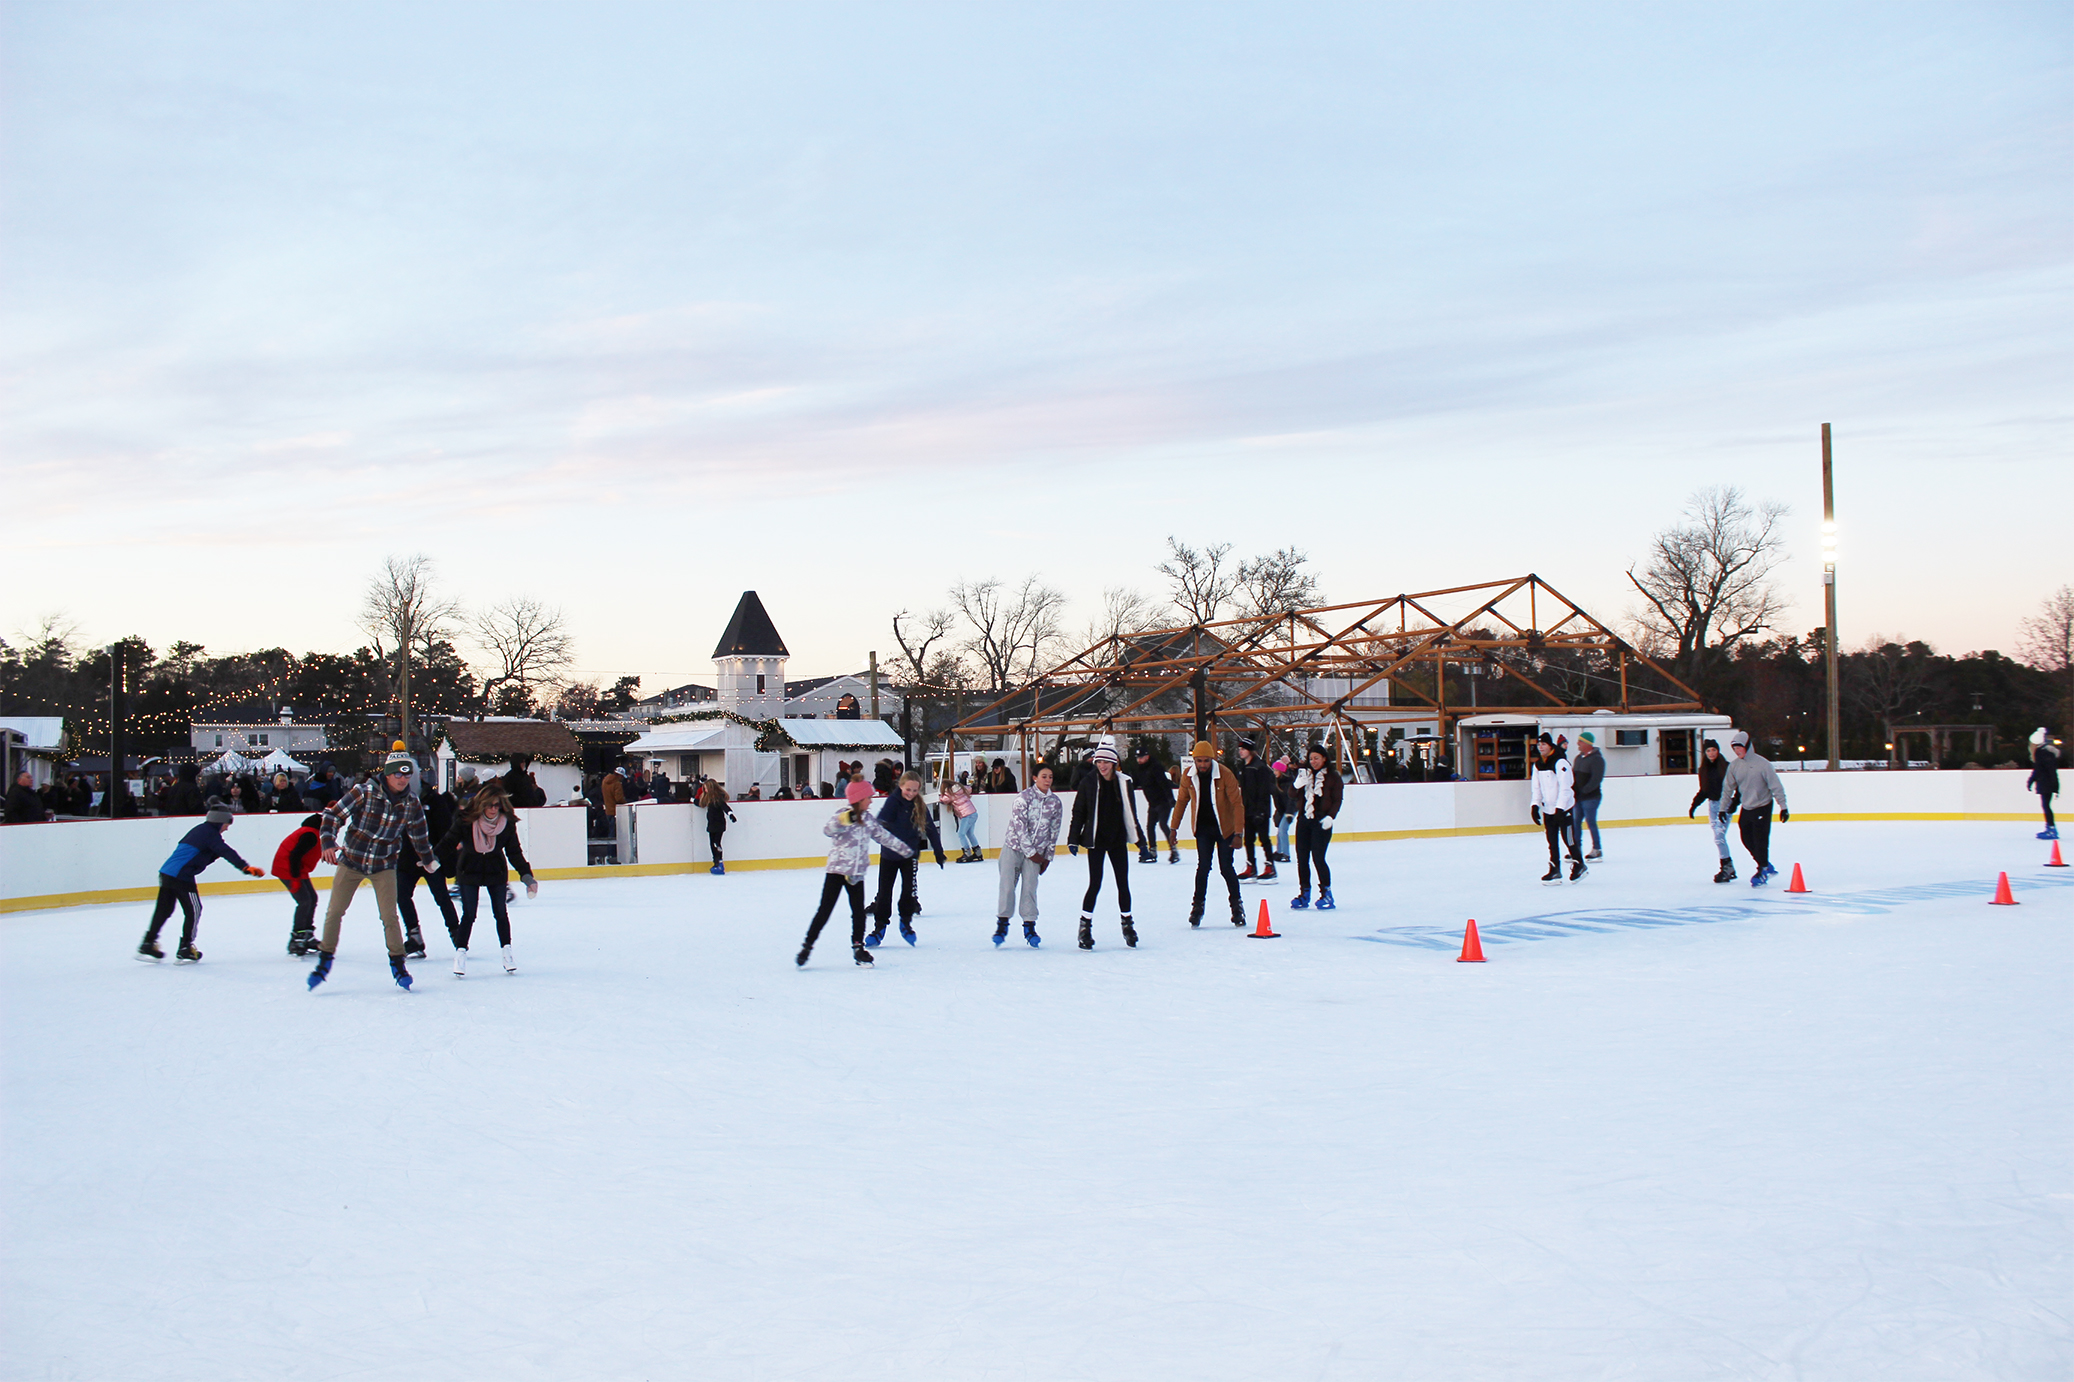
(852, 829)
(294, 862)
(1033, 835)
(906, 816)
(198, 848)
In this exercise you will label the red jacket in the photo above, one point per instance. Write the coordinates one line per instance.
(297, 857)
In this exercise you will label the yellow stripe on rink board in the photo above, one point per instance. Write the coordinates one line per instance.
(231, 887)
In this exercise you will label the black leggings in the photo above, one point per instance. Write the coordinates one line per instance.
(1312, 840)
(1756, 829)
(1556, 825)
(470, 887)
(172, 891)
(834, 885)
(890, 869)
(714, 837)
(2045, 800)
(407, 878)
(1157, 818)
(1119, 857)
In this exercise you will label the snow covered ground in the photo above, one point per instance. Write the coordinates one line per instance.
(1670, 1131)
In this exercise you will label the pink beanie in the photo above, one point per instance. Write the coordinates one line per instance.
(857, 793)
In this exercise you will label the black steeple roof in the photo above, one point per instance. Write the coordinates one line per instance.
(750, 633)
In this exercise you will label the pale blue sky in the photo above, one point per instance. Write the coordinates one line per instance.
(632, 307)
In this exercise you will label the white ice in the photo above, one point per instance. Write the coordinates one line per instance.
(1707, 1133)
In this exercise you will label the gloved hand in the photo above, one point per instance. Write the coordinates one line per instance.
(1784, 815)
(1073, 850)
(256, 873)
(940, 858)
(1690, 809)
(1535, 812)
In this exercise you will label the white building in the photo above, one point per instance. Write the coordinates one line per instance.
(749, 665)
(1495, 748)
(259, 740)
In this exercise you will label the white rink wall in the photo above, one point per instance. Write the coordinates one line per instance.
(114, 861)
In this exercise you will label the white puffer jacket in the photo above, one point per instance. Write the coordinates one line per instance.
(1551, 788)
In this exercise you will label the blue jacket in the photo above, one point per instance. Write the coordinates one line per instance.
(898, 816)
(199, 848)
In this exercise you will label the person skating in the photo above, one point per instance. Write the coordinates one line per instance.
(904, 814)
(1151, 779)
(439, 818)
(853, 829)
(2044, 778)
(1026, 852)
(965, 812)
(198, 848)
(294, 862)
(483, 837)
(1319, 793)
(1585, 776)
(1285, 806)
(1216, 814)
(1751, 788)
(1550, 797)
(713, 798)
(1713, 773)
(1257, 795)
(1105, 823)
(376, 817)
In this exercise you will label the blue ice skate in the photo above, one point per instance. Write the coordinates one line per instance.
(2051, 832)
(1300, 903)
(1000, 931)
(1325, 902)
(1030, 934)
(1763, 876)
(907, 933)
(399, 973)
(871, 942)
(322, 971)
(717, 870)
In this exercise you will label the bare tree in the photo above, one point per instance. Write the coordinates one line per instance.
(1276, 583)
(1125, 613)
(1708, 579)
(1889, 678)
(2048, 642)
(402, 607)
(529, 642)
(1201, 583)
(923, 632)
(1011, 631)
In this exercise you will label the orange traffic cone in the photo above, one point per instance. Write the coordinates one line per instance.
(1472, 948)
(2002, 896)
(1261, 930)
(1796, 886)
(2055, 862)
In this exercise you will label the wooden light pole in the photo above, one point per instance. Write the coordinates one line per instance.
(1829, 597)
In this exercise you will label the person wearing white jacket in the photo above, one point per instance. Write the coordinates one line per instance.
(1551, 796)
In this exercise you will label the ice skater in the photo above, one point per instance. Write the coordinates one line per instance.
(484, 836)
(1151, 779)
(964, 811)
(1751, 788)
(1713, 773)
(2045, 777)
(1026, 851)
(294, 862)
(853, 829)
(1285, 807)
(1585, 776)
(1105, 823)
(908, 819)
(1216, 814)
(1257, 796)
(1319, 793)
(439, 819)
(713, 797)
(1550, 798)
(198, 848)
(376, 817)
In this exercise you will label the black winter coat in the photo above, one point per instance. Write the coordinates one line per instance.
(1256, 789)
(2045, 771)
(898, 816)
(486, 868)
(1712, 775)
(1087, 829)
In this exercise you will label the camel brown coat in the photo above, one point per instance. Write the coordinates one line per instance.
(1229, 804)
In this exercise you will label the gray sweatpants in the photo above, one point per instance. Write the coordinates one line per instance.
(1017, 868)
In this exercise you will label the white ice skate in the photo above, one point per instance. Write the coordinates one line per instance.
(460, 964)
(510, 965)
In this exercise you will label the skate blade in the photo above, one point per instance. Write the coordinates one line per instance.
(151, 959)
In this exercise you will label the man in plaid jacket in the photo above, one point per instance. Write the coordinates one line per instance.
(376, 819)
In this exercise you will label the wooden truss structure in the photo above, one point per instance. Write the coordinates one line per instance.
(1519, 636)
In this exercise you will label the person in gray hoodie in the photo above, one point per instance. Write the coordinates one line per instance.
(1586, 774)
(1751, 789)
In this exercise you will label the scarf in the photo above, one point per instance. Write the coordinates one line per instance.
(488, 826)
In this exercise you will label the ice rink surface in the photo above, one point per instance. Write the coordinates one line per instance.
(1670, 1131)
